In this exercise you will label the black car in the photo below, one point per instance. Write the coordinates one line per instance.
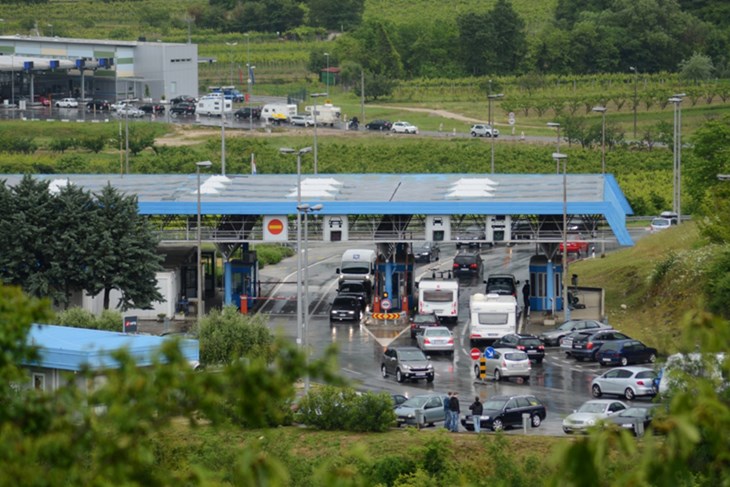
(624, 352)
(426, 252)
(183, 108)
(357, 289)
(468, 264)
(152, 108)
(345, 308)
(470, 237)
(421, 321)
(586, 346)
(382, 125)
(501, 412)
(635, 419)
(529, 344)
(98, 105)
(183, 99)
(248, 112)
(502, 284)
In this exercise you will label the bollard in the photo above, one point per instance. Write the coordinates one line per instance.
(525, 421)
(419, 418)
(482, 367)
(244, 304)
(639, 431)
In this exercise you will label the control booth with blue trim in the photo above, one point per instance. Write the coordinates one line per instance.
(384, 210)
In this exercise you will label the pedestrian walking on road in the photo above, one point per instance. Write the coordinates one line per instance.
(526, 297)
(476, 414)
(454, 411)
(447, 412)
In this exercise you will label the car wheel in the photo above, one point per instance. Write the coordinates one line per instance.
(473, 134)
(497, 375)
(596, 390)
(429, 378)
(624, 361)
(652, 358)
(567, 431)
(536, 421)
(629, 394)
(383, 371)
(497, 425)
(398, 375)
(526, 378)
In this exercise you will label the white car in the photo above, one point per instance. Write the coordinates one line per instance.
(591, 413)
(67, 103)
(660, 223)
(506, 362)
(403, 128)
(436, 339)
(121, 103)
(629, 382)
(302, 120)
(483, 130)
(130, 111)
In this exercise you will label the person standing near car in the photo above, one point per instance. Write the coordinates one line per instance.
(476, 414)
(447, 411)
(526, 297)
(454, 410)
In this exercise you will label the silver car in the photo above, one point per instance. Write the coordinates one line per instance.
(553, 337)
(590, 414)
(436, 339)
(629, 382)
(426, 409)
(566, 343)
(506, 362)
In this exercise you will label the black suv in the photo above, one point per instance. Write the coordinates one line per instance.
(502, 284)
(356, 289)
(468, 264)
(183, 108)
(248, 112)
(426, 252)
(501, 412)
(98, 105)
(529, 344)
(345, 308)
(383, 125)
(420, 321)
(406, 363)
(586, 346)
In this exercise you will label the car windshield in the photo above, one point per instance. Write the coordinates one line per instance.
(355, 269)
(352, 288)
(633, 413)
(343, 302)
(409, 355)
(494, 404)
(568, 325)
(416, 402)
(592, 407)
(516, 356)
(437, 332)
(660, 222)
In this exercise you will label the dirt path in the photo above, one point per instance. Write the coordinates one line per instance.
(430, 111)
(184, 135)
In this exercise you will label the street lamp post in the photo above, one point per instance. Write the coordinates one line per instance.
(491, 97)
(602, 111)
(636, 100)
(223, 135)
(306, 209)
(231, 44)
(557, 147)
(566, 305)
(677, 157)
(298, 153)
(199, 263)
(51, 26)
(314, 116)
(249, 75)
(327, 72)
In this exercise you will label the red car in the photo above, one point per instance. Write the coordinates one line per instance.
(575, 247)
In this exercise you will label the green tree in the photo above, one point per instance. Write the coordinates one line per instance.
(377, 86)
(124, 252)
(710, 157)
(227, 335)
(342, 15)
(509, 37)
(697, 68)
(476, 39)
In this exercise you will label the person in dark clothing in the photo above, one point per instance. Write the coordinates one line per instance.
(526, 297)
(454, 411)
(476, 412)
(447, 412)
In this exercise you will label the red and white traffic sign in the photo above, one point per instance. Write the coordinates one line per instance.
(386, 304)
(475, 353)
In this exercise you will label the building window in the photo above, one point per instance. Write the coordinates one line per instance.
(39, 382)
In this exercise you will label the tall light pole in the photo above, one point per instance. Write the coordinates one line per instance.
(298, 153)
(231, 44)
(677, 157)
(602, 111)
(557, 147)
(491, 97)
(199, 263)
(566, 305)
(306, 209)
(223, 135)
(636, 87)
(327, 72)
(314, 115)
(249, 75)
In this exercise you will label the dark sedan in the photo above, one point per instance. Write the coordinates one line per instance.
(501, 412)
(421, 321)
(624, 352)
(345, 308)
(382, 125)
(248, 112)
(585, 347)
(529, 344)
(426, 252)
(98, 105)
(183, 108)
(635, 419)
(154, 108)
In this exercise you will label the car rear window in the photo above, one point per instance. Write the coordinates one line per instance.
(531, 342)
(437, 332)
(516, 356)
(465, 259)
(352, 288)
(424, 319)
(647, 374)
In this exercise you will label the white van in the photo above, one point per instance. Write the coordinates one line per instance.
(278, 112)
(326, 114)
(440, 296)
(357, 265)
(491, 316)
(213, 105)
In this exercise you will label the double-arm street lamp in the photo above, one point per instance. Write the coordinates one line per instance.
(201, 301)
(298, 153)
(677, 157)
(327, 72)
(602, 110)
(566, 304)
(557, 147)
(314, 116)
(491, 97)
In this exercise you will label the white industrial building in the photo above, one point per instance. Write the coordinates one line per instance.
(56, 67)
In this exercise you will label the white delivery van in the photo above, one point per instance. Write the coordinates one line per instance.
(357, 265)
(326, 114)
(278, 111)
(440, 296)
(491, 316)
(213, 105)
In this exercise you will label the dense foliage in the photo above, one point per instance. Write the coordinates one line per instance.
(342, 408)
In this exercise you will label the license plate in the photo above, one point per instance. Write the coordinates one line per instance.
(420, 374)
(605, 360)
(491, 334)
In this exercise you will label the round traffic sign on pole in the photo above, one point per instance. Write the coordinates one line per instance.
(475, 353)
(489, 352)
(386, 304)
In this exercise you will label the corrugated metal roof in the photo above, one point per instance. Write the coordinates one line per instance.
(67, 348)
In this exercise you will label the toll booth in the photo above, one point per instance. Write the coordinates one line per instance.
(546, 279)
(438, 228)
(334, 228)
(394, 278)
(499, 228)
(242, 279)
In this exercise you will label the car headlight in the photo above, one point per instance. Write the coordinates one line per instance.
(591, 422)
(333, 312)
(350, 312)
(411, 416)
(406, 366)
(627, 425)
(429, 366)
(486, 417)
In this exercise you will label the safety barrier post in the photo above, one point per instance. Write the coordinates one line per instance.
(482, 367)
(376, 305)
(244, 304)
(404, 306)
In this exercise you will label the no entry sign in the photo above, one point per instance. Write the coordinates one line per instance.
(475, 354)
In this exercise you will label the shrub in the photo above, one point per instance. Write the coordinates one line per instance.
(342, 408)
(226, 335)
(61, 144)
(76, 317)
(110, 320)
(272, 254)
(94, 144)
(662, 268)
(17, 143)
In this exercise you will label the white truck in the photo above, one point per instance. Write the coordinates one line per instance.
(325, 114)
(213, 105)
(491, 316)
(278, 112)
(357, 265)
(439, 296)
